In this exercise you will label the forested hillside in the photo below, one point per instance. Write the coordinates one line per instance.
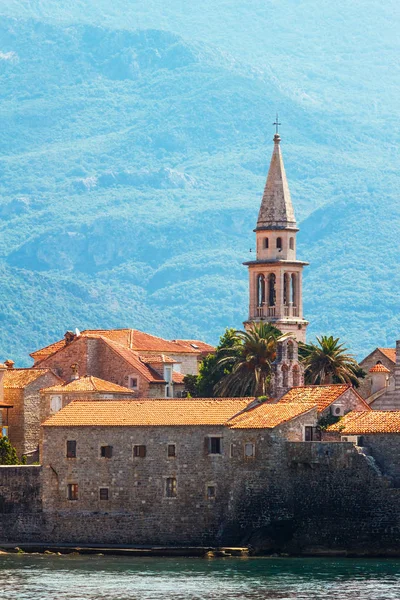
(134, 145)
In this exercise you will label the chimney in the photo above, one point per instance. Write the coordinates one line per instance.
(69, 337)
(75, 371)
(9, 363)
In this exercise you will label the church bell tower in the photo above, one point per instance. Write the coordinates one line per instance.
(275, 277)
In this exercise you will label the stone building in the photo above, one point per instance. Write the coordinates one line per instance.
(334, 399)
(377, 435)
(379, 356)
(150, 366)
(385, 384)
(159, 471)
(56, 397)
(22, 391)
(275, 276)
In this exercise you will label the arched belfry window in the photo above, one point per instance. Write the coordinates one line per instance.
(285, 376)
(296, 375)
(266, 243)
(272, 290)
(286, 289)
(290, 350)
(260, 290)
(294, 289)
(279, 243)
(291, 243)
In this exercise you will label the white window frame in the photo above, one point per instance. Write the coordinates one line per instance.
(54, 397)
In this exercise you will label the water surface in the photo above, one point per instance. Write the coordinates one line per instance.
(44, 577)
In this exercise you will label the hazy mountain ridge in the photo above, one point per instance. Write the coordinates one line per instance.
(132, 166)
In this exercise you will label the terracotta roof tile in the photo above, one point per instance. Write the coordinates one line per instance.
(197, 345)
(20, 378)
(132, 358)
(177, 377)
(156, 359)
(89, 384)
(43, 353)
(268, 416)
(321, 395)
(379, 369)
(149, 412)
(363, 422)
(390, 353)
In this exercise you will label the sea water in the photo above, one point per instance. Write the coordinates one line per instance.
(48, 577)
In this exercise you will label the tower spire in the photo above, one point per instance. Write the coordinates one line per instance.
(275, 277)
(276, 210)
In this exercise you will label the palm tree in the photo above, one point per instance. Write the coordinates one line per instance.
(328, 361)
(249, 361)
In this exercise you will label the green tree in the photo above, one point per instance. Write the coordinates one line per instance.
(8, 454)
(328, 361)
(249, 361)
(210, 372)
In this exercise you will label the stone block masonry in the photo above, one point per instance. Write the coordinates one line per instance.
(295, 497)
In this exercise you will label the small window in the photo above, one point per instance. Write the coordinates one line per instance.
(133, 382)
(279, 243)
(103, 493)
(211, 492)
(214, 445)
(170, 487)
(232, 450)
(72, 491)
(308, 433)
(106, 451)
(266, 243)
(171, 450)
(249, 450)
(55, 403)
(291, 243)
(71, 449)
(139, 451)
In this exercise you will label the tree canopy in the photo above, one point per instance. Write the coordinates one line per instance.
(328, 361)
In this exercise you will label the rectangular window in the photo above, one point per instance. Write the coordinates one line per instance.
(133, 382)
(211, 492)
(232, 450)
(106, 451)
(214, 445)
(171, 451)
(249, 450)
(55, 403)
(103, 493)
(72, 491)
(170, 487)
(71, 449)
(308, 433)
(139, 451)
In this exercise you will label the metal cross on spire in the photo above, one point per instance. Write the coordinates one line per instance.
(277, 124)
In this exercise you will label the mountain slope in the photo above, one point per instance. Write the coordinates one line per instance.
(133, 159)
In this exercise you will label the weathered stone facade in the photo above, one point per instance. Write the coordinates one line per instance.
(375, 357)
(295, 497)
(24, 418)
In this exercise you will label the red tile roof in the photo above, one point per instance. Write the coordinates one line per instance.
(363, 422)
(149, 412)
(157, 359)
(132, 339)
(379, 369)
(20, 378)
(133, 360)
(390, 353)
(198, 345)
(89, 384)
(321, 395)
(268, 416)
(177, 377)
